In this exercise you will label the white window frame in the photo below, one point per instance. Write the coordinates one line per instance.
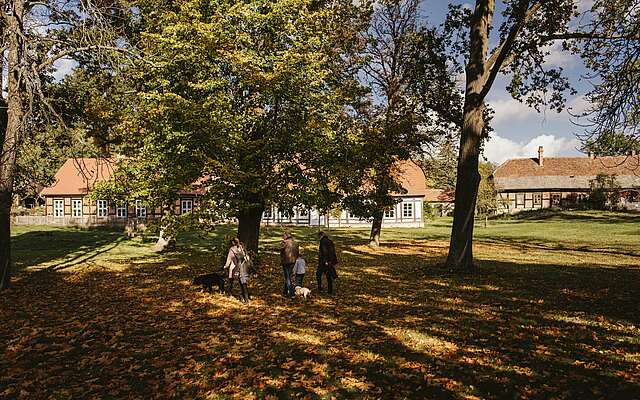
(537, 199)
(120, 209)
(268, 213)
(407, 210)
(303, 212)
(141, 211)
(390, 213)
(58, 208)
(102, 208)
(75, 202)
(183, 203)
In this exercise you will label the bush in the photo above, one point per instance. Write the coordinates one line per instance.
(428, 211)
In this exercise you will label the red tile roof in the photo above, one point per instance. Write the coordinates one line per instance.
(565, 172)
(439, 196)
(78, 175)
(576, 166)
(412, 178)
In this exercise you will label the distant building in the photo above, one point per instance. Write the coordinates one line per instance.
(406, 213)
(66, 200)
(543, 182)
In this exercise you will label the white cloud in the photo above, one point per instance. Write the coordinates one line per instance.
(578, 105)
(499, 149)
(559, 57)
(584, 5)
(509, 110)
(63, 67)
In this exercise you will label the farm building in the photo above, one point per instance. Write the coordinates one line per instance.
(67, 200)
(543, 182)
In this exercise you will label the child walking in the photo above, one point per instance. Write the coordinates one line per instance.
(299, 269)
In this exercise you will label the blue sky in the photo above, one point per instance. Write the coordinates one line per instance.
(519, 130)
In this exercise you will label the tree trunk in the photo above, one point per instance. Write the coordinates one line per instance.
(165, 241)
(249, 227)
(376, 228)
(5, 239)
(11, 136)
(460, 256)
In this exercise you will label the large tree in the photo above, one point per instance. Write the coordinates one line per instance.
(34, 36)
(524, 34)
(413, 102)
(251, 96)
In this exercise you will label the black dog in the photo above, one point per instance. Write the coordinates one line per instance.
(208, 280)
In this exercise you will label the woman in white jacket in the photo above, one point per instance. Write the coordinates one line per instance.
(237, 265)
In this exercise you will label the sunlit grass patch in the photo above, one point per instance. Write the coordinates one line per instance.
(422, 342)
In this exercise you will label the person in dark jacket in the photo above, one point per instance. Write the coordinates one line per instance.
(288, 254)
(327, 261)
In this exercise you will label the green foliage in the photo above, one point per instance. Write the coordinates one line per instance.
(441, 168)
(612, 120)
(605, 192)
(428, 211)
(487, 202)
(612, 144)
(249, 95)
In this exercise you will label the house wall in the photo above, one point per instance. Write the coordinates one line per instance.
(516, 201)
(90, 211)
(345, 219)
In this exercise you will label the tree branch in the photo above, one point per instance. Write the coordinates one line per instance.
(497, 59)
(49, 61)
(587, 35)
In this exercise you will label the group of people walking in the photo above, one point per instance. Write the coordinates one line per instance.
(238, 265)
(294, 265)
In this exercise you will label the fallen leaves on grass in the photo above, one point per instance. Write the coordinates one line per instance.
(398, 327)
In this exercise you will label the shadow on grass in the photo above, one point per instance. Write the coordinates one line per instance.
(66, 246)
(573, 215)
(397, 328)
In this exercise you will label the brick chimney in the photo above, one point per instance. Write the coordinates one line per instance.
(541, 156)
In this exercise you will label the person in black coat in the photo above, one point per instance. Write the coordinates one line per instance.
(327, 260)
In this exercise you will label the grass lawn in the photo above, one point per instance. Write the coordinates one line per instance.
(553, 313)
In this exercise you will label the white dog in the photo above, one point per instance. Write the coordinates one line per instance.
(303, 292)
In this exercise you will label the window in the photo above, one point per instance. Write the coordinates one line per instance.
(555, 199)
(519, 200)
(103, 208)
(58, 208)
(121, 211)
(141, 211)
(407, 210)
(390, 213)
(303, 212)
(268, 214)
(537, 198)
(76, 208)
(186, 206)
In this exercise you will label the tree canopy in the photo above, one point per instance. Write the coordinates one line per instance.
(250, 96)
